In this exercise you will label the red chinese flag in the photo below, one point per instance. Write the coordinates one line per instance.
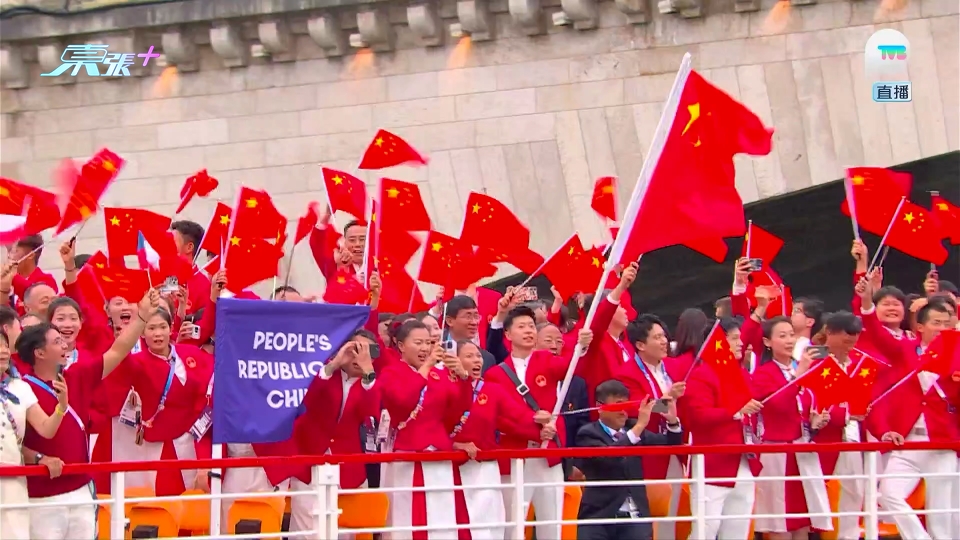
(829, 383)
(572, 269)
(525, 260)
(916, 232)
(346, 193)
(84, 189)
(604, 200)
(388, 150)
(251, 260)
(124, 225)
(399, 290)
(862, 378)
(215, 237)
(200, 184)
(401, 207)
(941, 356)
(949, 217)
(781, 300)
(489, 223)
(446, 262)
(307, 223)
(691, 193)
(716, 353)
(760, 244)
(867, 182)
(37, 206)
(713, 247)
(128, 283)
(89, 286)
(256, 215)
(344, 288)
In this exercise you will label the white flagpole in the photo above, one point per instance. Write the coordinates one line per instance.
(541, 267)
(630, 216)
(883, 241)
(848, 193)
(369, 238)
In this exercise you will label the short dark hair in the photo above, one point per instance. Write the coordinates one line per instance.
(396, 322)
(813, 309)
(423, 315)
(191, 231)
(889, 292)
(923, 314)
(7, 315)
(364, 333)
(30, 288)
(729, 324)
(31, 339)
(283, 289)
(517, 313)
(407, 327)
(611, 389)
(843, 321)
(458, 303)
(353, 223)
(384, 317)
(948, 286)
(466, 343)
(63, 301)
(689, 334)
(943, 298)
(725, 305)
(165, 315)
(771, 323)
(81, 260)
(32, 242)
(640, 328)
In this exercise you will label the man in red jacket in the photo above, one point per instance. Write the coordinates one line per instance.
(188, 236)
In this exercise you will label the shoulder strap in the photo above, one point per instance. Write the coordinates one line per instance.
(521, 387)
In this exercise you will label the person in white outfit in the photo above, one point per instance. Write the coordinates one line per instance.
(18, 405)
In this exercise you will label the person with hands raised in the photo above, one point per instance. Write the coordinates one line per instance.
(531, 378)
(789, 416)
(616, 428)
(424, 404)
(602, 360)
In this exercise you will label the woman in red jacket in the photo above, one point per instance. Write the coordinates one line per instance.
(424, 403)
(791, 417)
(490, 411)
(167, 409)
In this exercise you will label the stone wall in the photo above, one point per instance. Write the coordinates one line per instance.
(530, 120)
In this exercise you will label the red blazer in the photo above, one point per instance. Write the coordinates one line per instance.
(493, 410)
(711, 423)
(629, 373)
(899, 411)
(198, 292)
(544, 372)
(604, 358)
(444, 400)
(323, 256)
(898, 352)
(782, 420)
(751, 333)
(322, 427)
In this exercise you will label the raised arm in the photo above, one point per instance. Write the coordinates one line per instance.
(47, 426)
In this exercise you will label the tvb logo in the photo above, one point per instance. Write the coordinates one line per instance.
(885, 58)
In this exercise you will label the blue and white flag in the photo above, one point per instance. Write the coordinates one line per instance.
(146, 255)
(267, 354)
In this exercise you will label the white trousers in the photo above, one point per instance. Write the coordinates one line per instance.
(246, 481)
(441, 505)
(851, 494)
(547, 501)
(125, 448)
(725, 501)
(65, 522)
(771, 494)
(483, 505)
(15, 523)
(939, 492)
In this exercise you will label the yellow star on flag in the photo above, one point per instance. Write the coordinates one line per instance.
(4, 192)
(379, 141)
(85, 212)
(694, 111)
(337, 180)
(607, 190)
(224, 219)
(864, 372)
(476, 208)
(234, 241)
(571, 251)
(251, 203)
(101, 266)
(341, 280)
(436, 246)
(857, 180)
(940, 206)
(108, 165)
(718, 345)
(596, 262)
(114, 221)
(908, 217)
(393, 193)
(825, 373)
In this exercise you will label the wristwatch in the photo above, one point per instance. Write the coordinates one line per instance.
(37, 458)
(368, 378)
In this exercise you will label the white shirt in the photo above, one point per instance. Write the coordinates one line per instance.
(179, 369)
(520, 366)
(659, 375)
(788, 373)
(347, 383)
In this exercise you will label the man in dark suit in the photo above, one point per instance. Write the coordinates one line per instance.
(615, 429)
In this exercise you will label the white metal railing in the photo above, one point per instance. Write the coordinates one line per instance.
(325, 488)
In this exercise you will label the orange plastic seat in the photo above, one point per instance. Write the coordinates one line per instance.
(136, 493)
(165, 515)
(363, 511)
(684, 528)
(267, 510)
(103, 519)
(571, 508)
(196, 515)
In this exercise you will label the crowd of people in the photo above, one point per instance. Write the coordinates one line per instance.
(478, 371)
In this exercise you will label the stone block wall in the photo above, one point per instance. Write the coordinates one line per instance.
(530, 120)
